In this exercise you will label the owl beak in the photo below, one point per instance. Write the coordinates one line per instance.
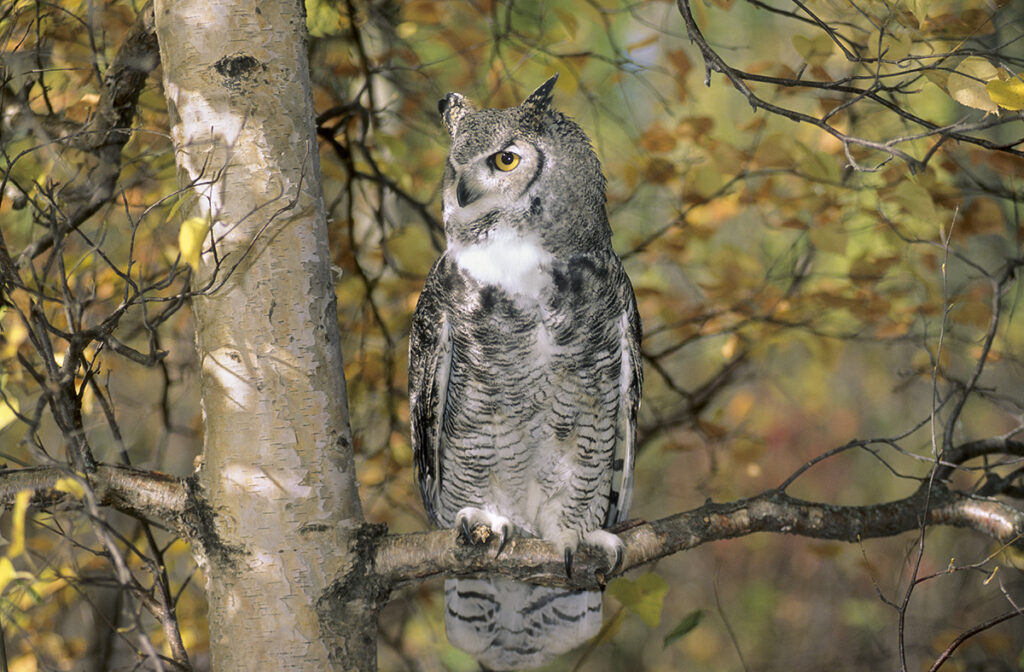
(466, 191)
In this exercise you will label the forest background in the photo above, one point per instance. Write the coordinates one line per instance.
(819, 205)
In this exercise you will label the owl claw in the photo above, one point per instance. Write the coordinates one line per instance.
(464, 530)
(568, 563)
(619, 556)
(504, 539)
(610, 545)
(477, 526)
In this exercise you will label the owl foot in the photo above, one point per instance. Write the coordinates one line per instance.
(610, 545)
(477, 526)
(606, 542)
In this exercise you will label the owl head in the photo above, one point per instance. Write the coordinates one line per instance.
(524, 169)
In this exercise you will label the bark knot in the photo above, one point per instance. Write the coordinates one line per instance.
(239, 71)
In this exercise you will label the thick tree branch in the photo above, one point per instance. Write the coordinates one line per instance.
(144, 494)
(425, 555)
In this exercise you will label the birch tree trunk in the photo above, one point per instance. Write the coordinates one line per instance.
(282, 511)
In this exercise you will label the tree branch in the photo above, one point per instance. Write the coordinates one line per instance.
(108, 131)
(412, 557)
(143, 494)
(738, 78)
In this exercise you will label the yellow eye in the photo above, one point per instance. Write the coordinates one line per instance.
(505, 161)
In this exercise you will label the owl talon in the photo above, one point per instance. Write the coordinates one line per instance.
(568, 563)
(619, 556)
(504, 539)
(609, 544)
(477, 526)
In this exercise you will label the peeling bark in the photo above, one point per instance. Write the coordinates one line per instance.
(276, 509)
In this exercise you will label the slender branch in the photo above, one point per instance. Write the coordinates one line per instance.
(739, 79)
(109, 130)
(971, 632)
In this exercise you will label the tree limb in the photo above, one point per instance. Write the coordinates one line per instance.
(140, 493)
(411, 557)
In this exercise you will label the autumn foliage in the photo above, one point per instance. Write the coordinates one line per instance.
(819, 205)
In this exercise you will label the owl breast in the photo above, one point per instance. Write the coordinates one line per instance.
(515, 263)
(533, 391)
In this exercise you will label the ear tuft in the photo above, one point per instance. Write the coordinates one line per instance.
(453, 108)
(540, 100)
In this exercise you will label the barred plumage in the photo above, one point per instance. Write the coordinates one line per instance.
(525, 371)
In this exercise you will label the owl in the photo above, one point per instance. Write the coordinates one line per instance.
(524, 371)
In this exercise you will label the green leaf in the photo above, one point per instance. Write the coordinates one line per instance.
(828, 237)
(813, 49)
(644, 597)
(570, 24)
(688, 623)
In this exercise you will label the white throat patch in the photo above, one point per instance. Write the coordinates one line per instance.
(506, 259)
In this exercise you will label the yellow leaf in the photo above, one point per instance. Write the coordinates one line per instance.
(1008, 94)
(8, 573)
(8, 411)
(190, 239)
(815, 50)
(406, 29)
(967, 85)
(17, 546)
(322, 19)
(410, 246)
(70, 486)
(730, 346)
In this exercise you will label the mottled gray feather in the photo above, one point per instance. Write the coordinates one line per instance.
(524, 368)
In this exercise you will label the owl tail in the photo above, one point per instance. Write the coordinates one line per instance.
(509, 625)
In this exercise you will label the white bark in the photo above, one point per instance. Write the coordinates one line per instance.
(277, 474)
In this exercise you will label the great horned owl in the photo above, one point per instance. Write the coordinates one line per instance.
(524, 371)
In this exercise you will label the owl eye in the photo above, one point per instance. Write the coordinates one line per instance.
(505, 161)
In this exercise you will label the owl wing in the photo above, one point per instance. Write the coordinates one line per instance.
(630, 383)
(430, 356)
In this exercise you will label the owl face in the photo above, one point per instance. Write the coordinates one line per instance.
(526, 170)
(496, 178)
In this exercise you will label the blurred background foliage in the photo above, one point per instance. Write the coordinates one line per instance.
(803, 285)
